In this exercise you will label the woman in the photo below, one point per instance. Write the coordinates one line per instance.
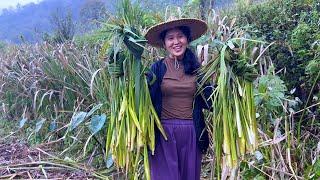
(173, 86)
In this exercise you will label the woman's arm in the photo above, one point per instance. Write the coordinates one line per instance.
(150, 75)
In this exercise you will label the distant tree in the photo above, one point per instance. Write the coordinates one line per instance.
(63, 25)
(159, 5)
(205, 5)
(7, 11)
(93, 11)
(18, 7)
(2, 46)
(244, 2)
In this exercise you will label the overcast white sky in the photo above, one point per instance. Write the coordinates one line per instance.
(13, 3)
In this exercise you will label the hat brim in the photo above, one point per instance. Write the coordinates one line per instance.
(197, 28)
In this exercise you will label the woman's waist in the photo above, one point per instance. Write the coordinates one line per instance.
(176, 121)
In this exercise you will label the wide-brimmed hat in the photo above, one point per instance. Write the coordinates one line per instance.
(197, 28)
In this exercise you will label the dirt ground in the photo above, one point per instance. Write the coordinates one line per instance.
(19, 161)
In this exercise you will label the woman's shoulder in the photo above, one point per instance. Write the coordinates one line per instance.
(156, 64)
(157, 61)
(155, 71)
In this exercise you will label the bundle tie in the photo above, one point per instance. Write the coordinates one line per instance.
(115, 70)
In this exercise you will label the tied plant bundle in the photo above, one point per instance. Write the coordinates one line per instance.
(130, 133)
(232, 65)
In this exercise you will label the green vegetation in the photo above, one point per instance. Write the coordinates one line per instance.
(234, 113)
(294, 27)
(63, 93)
(132, 117)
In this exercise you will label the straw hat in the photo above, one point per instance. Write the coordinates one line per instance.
(197, 28)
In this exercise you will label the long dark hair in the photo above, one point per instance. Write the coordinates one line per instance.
(190, 61)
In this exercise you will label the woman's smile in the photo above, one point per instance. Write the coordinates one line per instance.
(176, 43)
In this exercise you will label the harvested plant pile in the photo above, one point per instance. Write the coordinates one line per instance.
(234, 116)
(132, 118)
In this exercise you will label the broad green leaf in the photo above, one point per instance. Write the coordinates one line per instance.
(258, 155)
(230, 44)
(109, 161)
(77, 119)
(97, 122)
(22, 122)
(259, 177)
(53, 126)
(68, 159)
(39, 124)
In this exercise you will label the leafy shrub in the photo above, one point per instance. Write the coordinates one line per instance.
(294, 26)
(270, 92)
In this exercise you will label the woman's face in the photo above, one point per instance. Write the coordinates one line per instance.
(175, 43)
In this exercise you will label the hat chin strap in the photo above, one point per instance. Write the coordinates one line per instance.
(176, 63)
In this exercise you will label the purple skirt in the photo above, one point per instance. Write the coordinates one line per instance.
(178, 158)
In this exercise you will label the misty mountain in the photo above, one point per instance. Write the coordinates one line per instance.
(30, 22)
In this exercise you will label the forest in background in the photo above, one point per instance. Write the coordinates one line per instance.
(31, 21)
(48, 88)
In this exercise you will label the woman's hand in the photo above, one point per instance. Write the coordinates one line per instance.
(203, 56)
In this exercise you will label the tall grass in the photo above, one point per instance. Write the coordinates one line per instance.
(44, 86)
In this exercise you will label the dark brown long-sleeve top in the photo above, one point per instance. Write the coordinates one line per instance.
(178, 91)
